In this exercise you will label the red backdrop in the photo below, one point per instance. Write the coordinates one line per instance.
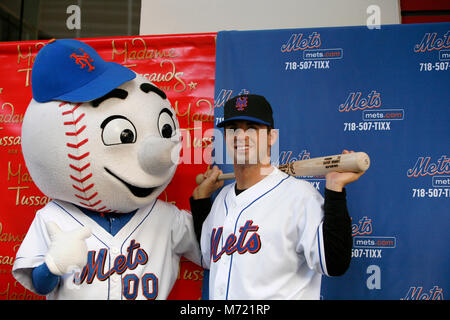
(182, 65)
(420, 11)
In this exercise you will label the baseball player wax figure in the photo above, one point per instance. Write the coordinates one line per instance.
(268, 235)
(103, 143)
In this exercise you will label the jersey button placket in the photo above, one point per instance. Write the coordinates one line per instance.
(225, 269)
(115, 279)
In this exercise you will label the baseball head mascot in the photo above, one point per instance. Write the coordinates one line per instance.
(103, 143)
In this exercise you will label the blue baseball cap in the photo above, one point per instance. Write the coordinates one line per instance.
(250, 107)
(70, 70)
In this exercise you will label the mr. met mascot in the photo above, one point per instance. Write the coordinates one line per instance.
(103, 143)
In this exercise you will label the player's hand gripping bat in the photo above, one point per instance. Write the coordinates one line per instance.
(350, 162)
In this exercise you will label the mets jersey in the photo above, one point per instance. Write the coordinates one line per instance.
(266, 242)
(140, 261)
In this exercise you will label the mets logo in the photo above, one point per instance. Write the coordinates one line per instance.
(363, 227)
(424, 166)
(431, 41)
(241, 103)
(252, 244)
(83, 60)
(356, 101)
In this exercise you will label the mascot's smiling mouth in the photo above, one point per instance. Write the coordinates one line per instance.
(138, 192)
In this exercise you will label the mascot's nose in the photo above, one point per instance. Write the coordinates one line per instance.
(157, 155)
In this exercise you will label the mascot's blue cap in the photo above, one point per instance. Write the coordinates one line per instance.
(73, 71)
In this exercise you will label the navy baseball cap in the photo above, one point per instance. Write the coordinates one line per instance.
(70, 70)
(250, 107)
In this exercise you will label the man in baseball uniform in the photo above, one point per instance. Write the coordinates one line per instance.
(103, 143)
(268, 235)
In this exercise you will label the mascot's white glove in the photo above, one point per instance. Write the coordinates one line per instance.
(68, 250)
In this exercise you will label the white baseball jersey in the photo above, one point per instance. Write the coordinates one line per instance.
(140, 262)
(266, 242)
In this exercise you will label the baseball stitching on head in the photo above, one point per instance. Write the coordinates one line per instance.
(80, 173)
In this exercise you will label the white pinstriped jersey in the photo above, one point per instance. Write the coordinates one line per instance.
(140, 262)
(266, 242)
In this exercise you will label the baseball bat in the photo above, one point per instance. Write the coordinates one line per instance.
(349, 162)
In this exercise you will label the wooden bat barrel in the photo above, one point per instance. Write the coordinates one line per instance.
(348, 162)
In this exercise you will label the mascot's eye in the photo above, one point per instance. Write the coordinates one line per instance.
(166, 125)
(166, 131)
(118, 130)
(127, 136)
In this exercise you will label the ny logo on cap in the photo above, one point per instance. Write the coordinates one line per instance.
(83, 60)
(241, 103)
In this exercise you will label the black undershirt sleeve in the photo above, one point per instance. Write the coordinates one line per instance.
(200, 209)
(337, 233)
(337, 229)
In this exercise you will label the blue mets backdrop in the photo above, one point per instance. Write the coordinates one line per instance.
(385, 92)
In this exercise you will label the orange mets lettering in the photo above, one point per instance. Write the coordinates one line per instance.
(95, 266)
(232, 243)
(83, 60)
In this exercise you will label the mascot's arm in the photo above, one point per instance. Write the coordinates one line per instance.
(43, 280)
(67, 252)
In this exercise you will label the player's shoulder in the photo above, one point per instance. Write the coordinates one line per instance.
(299, 186)
(298, 183)
(224, 191)
(226, 188)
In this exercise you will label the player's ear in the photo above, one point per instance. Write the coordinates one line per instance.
(273, 136)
